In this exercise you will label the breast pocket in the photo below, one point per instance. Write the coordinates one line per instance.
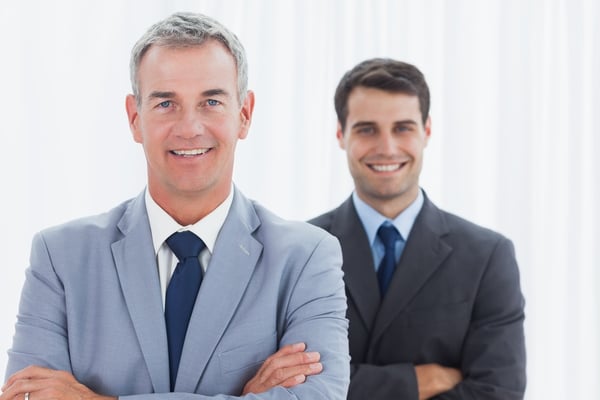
(246, 358)
(440, 314)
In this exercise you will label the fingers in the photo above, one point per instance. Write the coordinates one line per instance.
(43, 383)
(26, 373)
(289, 349)
(287, 367)
(34, 380)
(19, 388)
(36, 372)
(287, 362)
(433, 379)
(21, 382)
(298, 374)
(453, 376)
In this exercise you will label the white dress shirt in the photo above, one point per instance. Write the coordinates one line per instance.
(162, 225)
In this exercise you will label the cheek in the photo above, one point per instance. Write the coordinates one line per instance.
(415, 147)
(353, 153)
(155, 128)
(359, 150)
(226, 130)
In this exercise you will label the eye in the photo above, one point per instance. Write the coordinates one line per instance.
(165, 104)
(213, 102)
(365, 130)
(403, 128)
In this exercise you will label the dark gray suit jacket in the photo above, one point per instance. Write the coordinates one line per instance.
(455, 299)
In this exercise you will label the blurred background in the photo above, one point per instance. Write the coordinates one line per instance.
(515, 110)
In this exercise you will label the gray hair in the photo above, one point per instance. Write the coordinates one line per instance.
(186, 29)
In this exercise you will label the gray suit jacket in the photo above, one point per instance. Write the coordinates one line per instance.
(454, 299)
(91, 305)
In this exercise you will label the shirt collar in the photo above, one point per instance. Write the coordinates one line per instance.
(372, 219)
(162, 225)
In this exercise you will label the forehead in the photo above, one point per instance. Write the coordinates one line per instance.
(371, 103)
(204, 67)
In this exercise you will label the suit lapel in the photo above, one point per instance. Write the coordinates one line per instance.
(136, 266)
(425, 250)
(230, 269)
(359, 272)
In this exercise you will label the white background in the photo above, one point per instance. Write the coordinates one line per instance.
(515, 102)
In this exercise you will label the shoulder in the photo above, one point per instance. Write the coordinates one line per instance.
(453, 226)
(324, 220)
(468, 240)
(63, 249)
(337, 219)
(468, 230)
(90, 228)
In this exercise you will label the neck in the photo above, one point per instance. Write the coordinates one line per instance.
(391, 207)
(187, 209)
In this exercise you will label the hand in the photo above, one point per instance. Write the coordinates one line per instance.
(287, 367)
(46, 384)
(433, 379)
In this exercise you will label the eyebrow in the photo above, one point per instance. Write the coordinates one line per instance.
(215, 92)
(361, 124)
(161, 95)
(157, 94)
(406, 122)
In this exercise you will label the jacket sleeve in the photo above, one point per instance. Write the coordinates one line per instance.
(41, 329)
(493, 356)
(379, 382)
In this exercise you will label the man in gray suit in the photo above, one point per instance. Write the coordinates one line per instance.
(99, 316)
(434, 301)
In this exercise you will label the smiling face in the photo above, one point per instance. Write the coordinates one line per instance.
(384, 139)
(189, 120)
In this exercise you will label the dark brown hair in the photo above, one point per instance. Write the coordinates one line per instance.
(385, 74)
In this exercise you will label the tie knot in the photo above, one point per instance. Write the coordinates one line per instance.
(185, 244)
(388, 234)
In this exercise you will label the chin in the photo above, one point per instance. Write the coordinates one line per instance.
(391, 193)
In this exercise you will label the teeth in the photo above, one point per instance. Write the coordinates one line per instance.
(194, 152)
(385, 168)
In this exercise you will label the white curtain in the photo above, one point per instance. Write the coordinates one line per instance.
(515, 106)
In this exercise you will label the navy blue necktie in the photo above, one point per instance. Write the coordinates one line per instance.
(181, 293)
(389, 236)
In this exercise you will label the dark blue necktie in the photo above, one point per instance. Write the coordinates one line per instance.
(181, 293)
(389, 236)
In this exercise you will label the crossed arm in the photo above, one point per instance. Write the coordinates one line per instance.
(287, 367)
(433, 379)
(492, 364)
(42, 339)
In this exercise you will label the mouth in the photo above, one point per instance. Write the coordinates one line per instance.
(190, 152)
(386, 167)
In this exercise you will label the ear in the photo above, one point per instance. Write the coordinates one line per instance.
(246, 114)
(132, 116)
(339, 134)
(427, 129)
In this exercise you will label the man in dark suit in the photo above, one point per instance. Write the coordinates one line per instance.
(434, 301)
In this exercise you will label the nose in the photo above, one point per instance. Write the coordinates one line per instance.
(386, 143)
(189, 125)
